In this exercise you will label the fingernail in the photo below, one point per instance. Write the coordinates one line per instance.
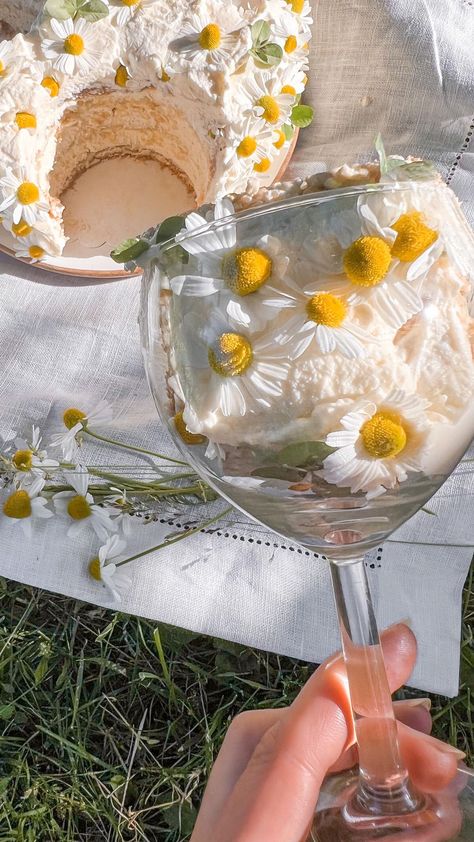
(417, 703)
(452, 750)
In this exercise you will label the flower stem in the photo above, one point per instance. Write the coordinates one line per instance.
(175, 540)
(135, 449)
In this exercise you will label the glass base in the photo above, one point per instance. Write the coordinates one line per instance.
(448, 815)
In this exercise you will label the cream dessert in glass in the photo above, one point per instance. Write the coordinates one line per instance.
(313, 358)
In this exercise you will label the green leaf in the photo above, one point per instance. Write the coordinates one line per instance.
(92, 10)
(181, 818)
(168, 229)
(260, 33)
(380, 150)
(41, 670)
(61, 9)
(129, 250)
(303, 454)
(7, 711)
(269, 54)
(419, 170)
(302, 116)
(289, 475)
(288, 130)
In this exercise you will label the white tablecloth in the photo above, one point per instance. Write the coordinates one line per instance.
(388, 66)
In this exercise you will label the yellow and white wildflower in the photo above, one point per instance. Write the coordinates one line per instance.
(79, 507)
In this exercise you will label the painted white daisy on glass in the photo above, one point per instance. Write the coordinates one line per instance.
(25, 506)
(261, 98)
(232, 373)
(378, 444)
(103, 568)
(79, 508)
(121, 11)
(75, 48)
(20, 197)
(315, 319)
(219, 37)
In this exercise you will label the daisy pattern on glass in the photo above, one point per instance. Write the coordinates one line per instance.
(30, 460)
(24, 506)
(79, 507)
(75, 420)
(261, 98)
(315, 317)
(121, 11)
(21, 198)
(379, 443)
(75, 48)
(220, 38)
(233, 372)
(103, 568)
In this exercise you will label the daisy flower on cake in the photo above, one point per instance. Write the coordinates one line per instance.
(228, 372)
(79, 508)
(75, 49)
(220, 37)
(121, 11)
(291, 32)
(378, 444)
(237, 273)
(251, 147)
(34, 248)
(25, 506)
(21, 198)
(261, 98)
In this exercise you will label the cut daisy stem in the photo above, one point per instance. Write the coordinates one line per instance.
(132, 447)
(177, 538)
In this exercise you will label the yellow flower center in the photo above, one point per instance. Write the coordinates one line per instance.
(95, 569)
(74, 45)
(21, 229)
(288, 89)
(27, 193)
(23, 460)
(413, 236)
(51, 85)
(72, 417)
(130, 2)
(384, 435)
(230, 355)
(165, 77)
(183, 432)
(121, 76)
(2, 68)
(246, 147)
(18, 505)
(210, 37)
(24, 120)
(271, 110)
(78, 508)
(263, 165)
(36, 252)
(279, 142)
(246, 269)
(326, 309)
(366, 261)
(296, 5)
(290, 44)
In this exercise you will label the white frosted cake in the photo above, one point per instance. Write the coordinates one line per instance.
(209, 89)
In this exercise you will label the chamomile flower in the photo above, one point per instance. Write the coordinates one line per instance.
(20, 230)
(23, 507)
(251, 148)
(33, 248)
(79, 507)
(21, 197)
(30, 460)
(118, 499)
(261, 98)
(291, 33)
(104, 569)
(5, 56)
(122, 11)
(76, 420)
(221, 40)
(378, 445)
(314, 317)
(231, 373)
(75, 48)
(302, 8)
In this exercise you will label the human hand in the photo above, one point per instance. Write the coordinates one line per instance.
(266, 779)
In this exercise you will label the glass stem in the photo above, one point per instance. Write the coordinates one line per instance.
(384, 787)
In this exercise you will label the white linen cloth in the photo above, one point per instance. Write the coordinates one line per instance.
(398, 66)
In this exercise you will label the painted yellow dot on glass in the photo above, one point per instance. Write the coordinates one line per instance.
(121, 76)
(21, 229)
(296, 5)
(183, 432)
(17, 505)
(366, 261)
(94, 569)
(74, 45)
(271, 110)
(25, 120)
(27, 193)
(413, 236)
(384, 435)
(263, 165)
(326, 309)
(78, 508)
(72, 416)
(246, 147)
(280, 141)
(210, 37)
(246, 269)
(51, 85)
(230, 355)
(288, 89)
(23, 460)
(290, 44)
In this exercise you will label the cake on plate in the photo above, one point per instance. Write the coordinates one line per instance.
(209, 89)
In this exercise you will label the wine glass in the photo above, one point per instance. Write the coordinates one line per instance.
(311, 357)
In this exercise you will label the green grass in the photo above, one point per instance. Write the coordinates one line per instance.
(109, 724)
